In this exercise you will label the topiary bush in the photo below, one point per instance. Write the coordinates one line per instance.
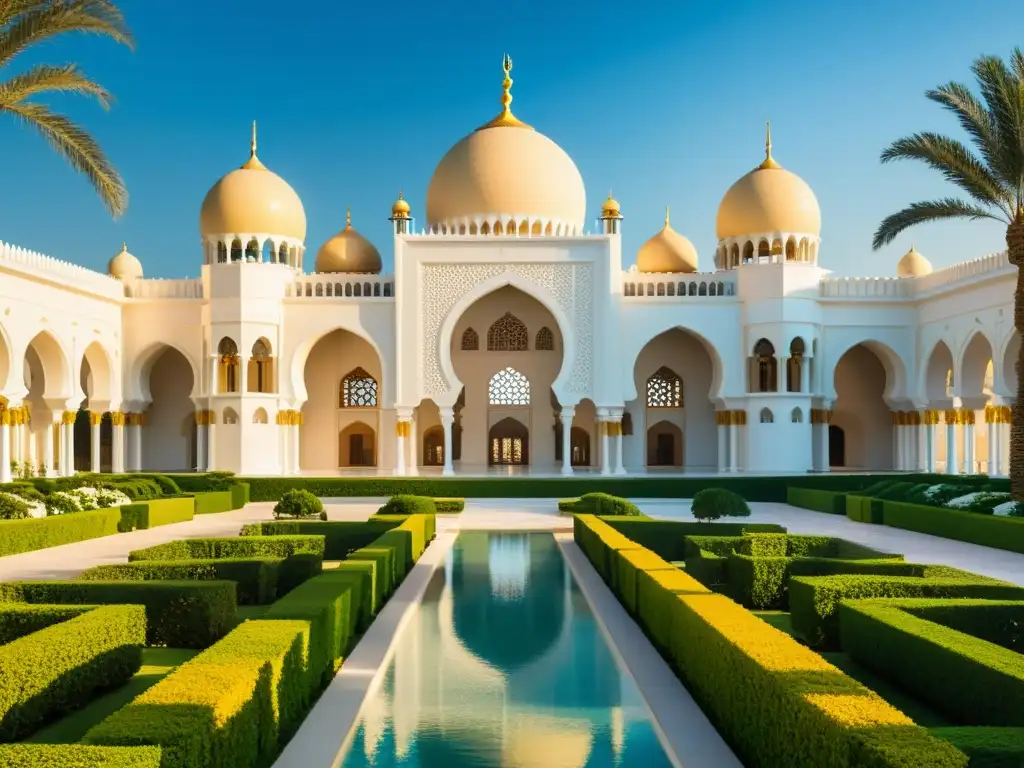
(299, 503)
(12, 507)
(408, 505)
(714, 503)
(604, 505)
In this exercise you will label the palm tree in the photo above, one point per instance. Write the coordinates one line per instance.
(991, 174)
(24, 23)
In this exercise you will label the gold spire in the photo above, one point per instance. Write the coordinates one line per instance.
(348, 217)
(506, 119)
(124, 246)
(253, 163)
(667, 222)
(400, 210)
(769, 161)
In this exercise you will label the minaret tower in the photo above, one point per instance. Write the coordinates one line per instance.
(611, 215)
(400, 219)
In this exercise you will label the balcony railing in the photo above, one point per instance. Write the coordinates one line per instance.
(651, 285)
(337, 287)
(48, 268)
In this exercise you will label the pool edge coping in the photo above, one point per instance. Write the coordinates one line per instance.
(666, 699)
(328, 728)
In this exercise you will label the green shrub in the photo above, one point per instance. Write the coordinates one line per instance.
(18, 620)
(567, 506)
(988, 531)
(814, 600)
(896, 491)
(408, 505)
(39, 533)
(831, 502)
(239, 495)
(802, 545)
(340, 538)
(708, 568)
(179, 614)
(922, 657)
(77, 756)
(257, 577)
(449, 506)
(986, 747)
(874, 489)
(1001, 623)
(298, 503)
(213, 502)
(47, 673)
(156, 512)
(229, 707)
(764, 544)
(667, 538)
(364, 575)
(604, 504)
(12, 507)
(231, 547)
(139, 490)
(714, 503)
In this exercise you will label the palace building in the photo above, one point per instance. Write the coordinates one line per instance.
(509, 336)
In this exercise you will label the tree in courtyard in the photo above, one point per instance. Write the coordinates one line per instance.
(990, 173)
(711, 504)
(25, 23)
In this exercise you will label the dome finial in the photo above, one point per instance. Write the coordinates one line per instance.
(253, 163)
(769, 161)
(506, 119)
(348, 217)
(124, 246)
(667, 223)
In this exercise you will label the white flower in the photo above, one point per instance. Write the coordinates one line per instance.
(1009, 508)
(962, 502)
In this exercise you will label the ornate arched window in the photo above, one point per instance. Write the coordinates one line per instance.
(470, 340)
(664, 389)
(766, 416)
(507, 334)
(509, 387)
(545, 340)
(358, 390)
(229, 364)
(797, 416)
(260, 367)
(767, 367)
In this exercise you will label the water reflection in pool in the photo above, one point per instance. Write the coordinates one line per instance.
(504, 666)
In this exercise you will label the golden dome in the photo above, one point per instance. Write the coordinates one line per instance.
(348, 251)
(124, 266)
(769, 199)
(400, 210)
(610, 209)
(913, 264)
(506, 168)
(667, 251)
(252, 200)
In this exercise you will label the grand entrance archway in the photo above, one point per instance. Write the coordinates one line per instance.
(509, 443)
(864, 376)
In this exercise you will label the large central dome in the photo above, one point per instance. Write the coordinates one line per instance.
(506, 170)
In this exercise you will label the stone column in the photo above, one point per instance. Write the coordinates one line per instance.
(1004, 441)
(821, 417)
(805, 375)
(401, 432)
(992, 437)
(930, 423)
(952, 461)
(412, 464)
(295, 434)
(722, 422)
(734, 440)
(202, 425)
(616, 426)
(48, 469)
(95, 420)
(568, 412)
(967, 418)
(117, 442)
(67, 442)
(447, 421)
(602, 428)
(135, 422)
(5, 445)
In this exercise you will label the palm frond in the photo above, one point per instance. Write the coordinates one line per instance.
(975, 120)
(31, 23)
(930, 210)
(1001, 91)
(958, 164)
(42, 79)
(79, 149)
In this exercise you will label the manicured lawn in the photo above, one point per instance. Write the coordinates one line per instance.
(920, 713)
(156, 664)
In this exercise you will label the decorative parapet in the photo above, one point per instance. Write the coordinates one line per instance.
(187, 288)
(341, 286)
(682, 285)
(36, 265)
(995, 265)
(865, 288)
(992, 265)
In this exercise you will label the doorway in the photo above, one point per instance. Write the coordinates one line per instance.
(509, 443)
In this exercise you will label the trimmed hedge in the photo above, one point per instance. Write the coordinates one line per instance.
(987, 747)
(257, 578)
(863, 509)
(18, 620)
(229, 707)
(212, 502)
(1001, 623)
(340, 538)
(449, 506)
(604, 505)
(155, 512)
(39, 533)
(408, 505)
(231, 547)
(814, 600)
(832, 502)
(179, 614)
(239, 495)
(49, 672)
(922, 657)
(77, 756)
(667, 537)
(987, 530)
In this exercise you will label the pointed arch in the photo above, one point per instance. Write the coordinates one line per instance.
(545, 341)
(470, 340)
(53, 361)
(507, 334)
(508, 387)
(358, 390)
(96, 376)
(664, 389)
(259, 416)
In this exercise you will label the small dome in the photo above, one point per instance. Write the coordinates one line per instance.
(610, 209)
(913, 264)
(768, 199)
(124, 266)
(252, 200)
(400, 210)
(506, 168)
(348, 251)
(667, 251)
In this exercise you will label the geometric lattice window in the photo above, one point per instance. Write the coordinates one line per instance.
(508, 334)
(664, 389)
(545, 339)
(509, 387)
(470, 340)
(359, 390)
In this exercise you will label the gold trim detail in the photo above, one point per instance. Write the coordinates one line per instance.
(117, 418)
(506, 119)
(68, 417)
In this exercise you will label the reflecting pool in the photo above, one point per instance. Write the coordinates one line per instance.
(504, 666)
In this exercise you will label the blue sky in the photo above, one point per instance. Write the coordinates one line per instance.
(664, 103)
